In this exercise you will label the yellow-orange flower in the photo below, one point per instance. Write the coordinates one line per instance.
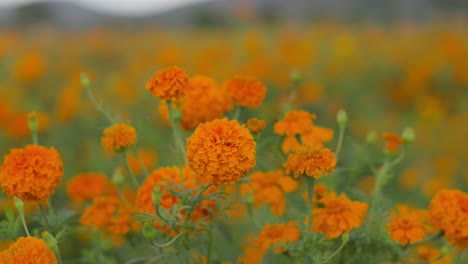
(431, 255)
(277, 234)
(110, 215)
(256, 125)
(30, 67)
(31, 173)
(118, 137)
(168, 84)
(246, 91)
(87, 186)
(252, 252)
(28, 250)
(313, 161)
(203, 102)
(221, 151)
(294, 123)
(408, 225)
(392, 141)
(448, 211)
(338, 215)
(270, 188)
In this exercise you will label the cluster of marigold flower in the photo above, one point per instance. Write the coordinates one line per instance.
(182, 200)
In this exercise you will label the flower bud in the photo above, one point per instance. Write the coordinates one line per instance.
(49, 240)
(19, 204)
(342, 117)
(118, 177)
(33, 124)
(149, 232)
(296, 76)
(408, 135)
(156, 195)
(371, 137)
(345, 238)
(85, 80)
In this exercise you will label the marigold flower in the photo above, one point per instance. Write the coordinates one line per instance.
(110, 215)
(338, 215)
(118, 137)
(31, 173)
(313, 161)
(168, 84)
(256, 125)
(246, 91)
(252, 252)
(28, 250)
(222, 151)
(430, 255)
(87, 186)
(270, 188)
(30, 67)
(448, 211)
(407, 226)
(278, 234)
(294, 123)
(393, 141)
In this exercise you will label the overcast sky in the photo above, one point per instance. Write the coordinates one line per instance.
(126, 7)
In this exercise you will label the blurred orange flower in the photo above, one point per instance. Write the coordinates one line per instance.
(407, 225)
(393, 141)
(246, 91)
(315, 162)
(118, 137)
(277, 234)
(87, 186)
(256, 125)
(144, 157)
(28, 250)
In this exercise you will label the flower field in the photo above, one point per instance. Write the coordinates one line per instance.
(325, 143)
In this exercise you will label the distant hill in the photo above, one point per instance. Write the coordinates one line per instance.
(222, 12)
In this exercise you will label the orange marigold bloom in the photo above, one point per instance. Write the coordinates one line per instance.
(407, 226)
(203, 102)
(448, 211)
(222, 151)
(393, 141)
(256, 125)
(338, 215)
(252, 252)
(431, 255)
(313, 161)
(118, 137)
(278, 234)
(169, 83)
(87, 186)
(270, 188)
(294, 122)
(31, 173)
(28, 250)
(246, 91)
(110, 215)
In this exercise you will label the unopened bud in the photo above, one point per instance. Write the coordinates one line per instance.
(33, 124)
(342, 117)
(408, 135)
(296, 76)
(85, 80)
(156, 195)
(345, 238)
(149, 232)
(371, 137)
(49, 240)
(19, 204)
(118, 177)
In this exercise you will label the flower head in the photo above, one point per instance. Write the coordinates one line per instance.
(393, 141)
(294, 122)
(338, 215)
(31, 173)
(256, 125)
(270, 188)
(448, 211)
(118, 138)
(222, 151)
(87, 186)
(246, 91)
(168, 84)
(407, 226)
(278, 234)
(313, 161)
(28, 250)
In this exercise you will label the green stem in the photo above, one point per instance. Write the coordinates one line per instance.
(166, 244)
(210, 242)
(87, 86)
(343, 244)
(180, 148)
(49, 206)
(43, 213)
(127, 167)
(35, 137)
(236, 113)
(310, 205)
(140, 162)
(340, 141)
